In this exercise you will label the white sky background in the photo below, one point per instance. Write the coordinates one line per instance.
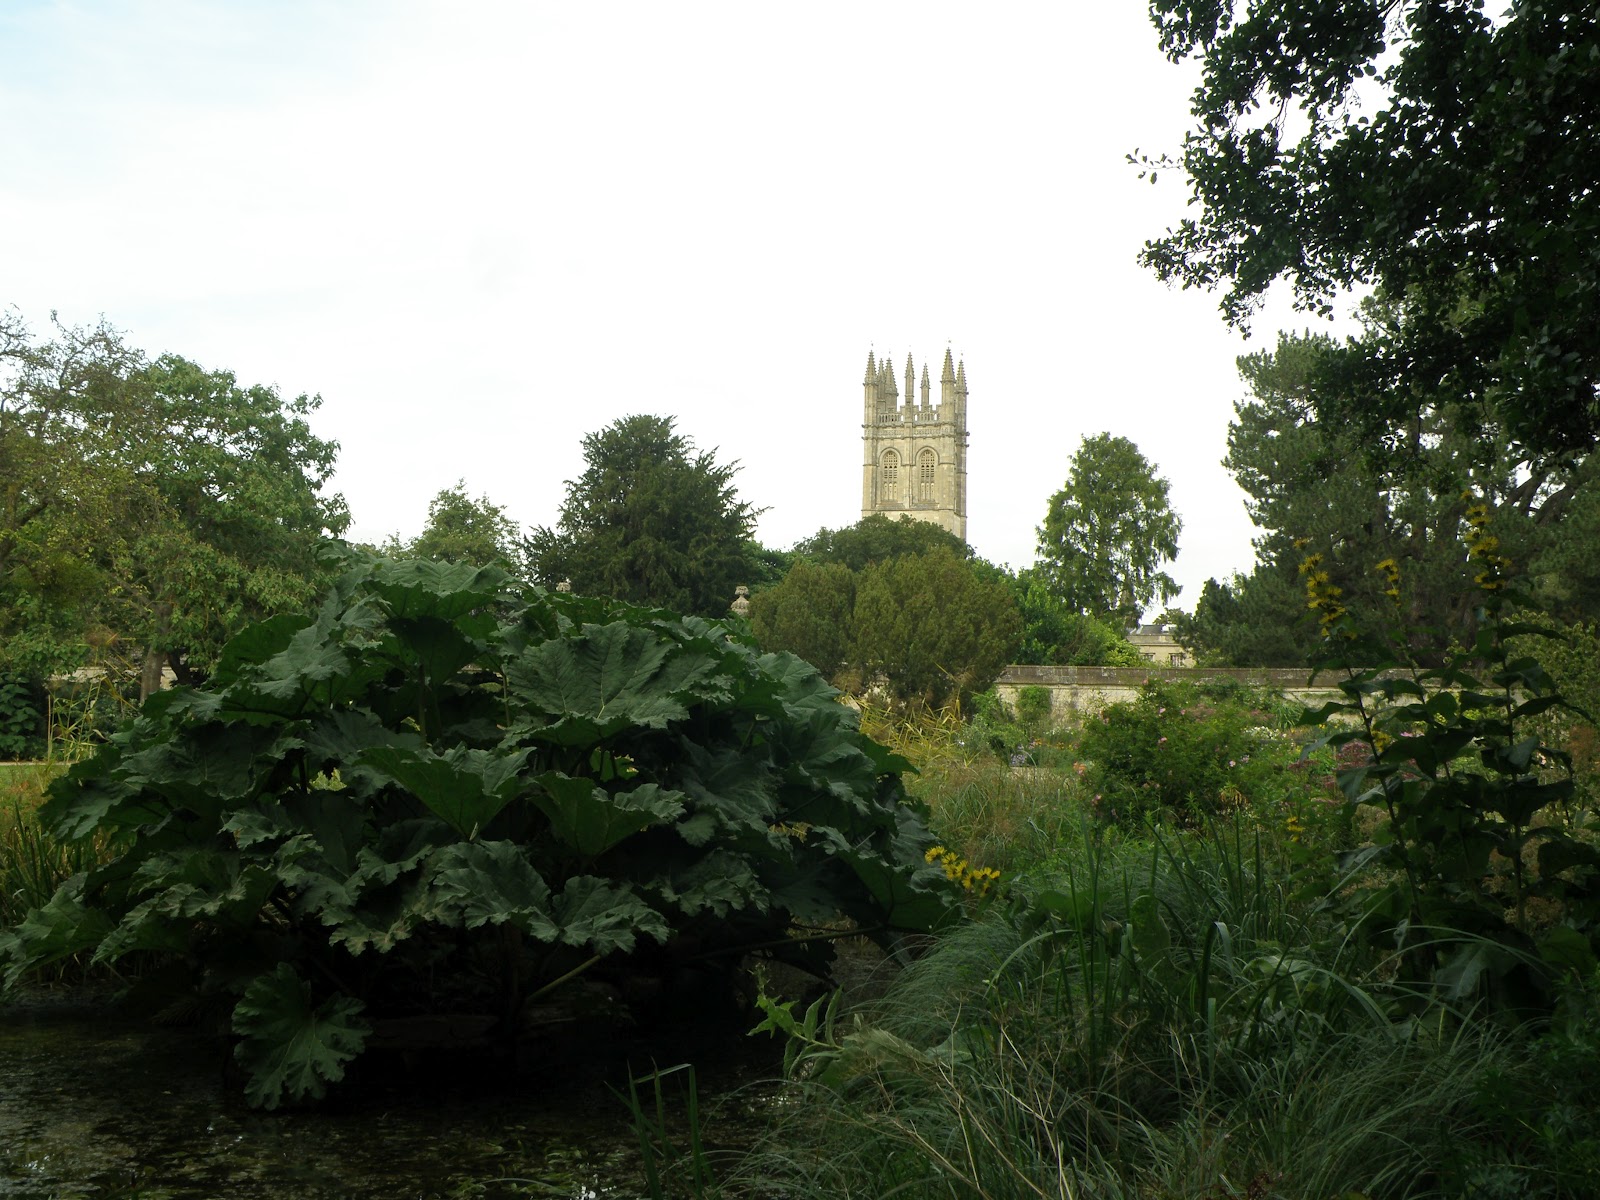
(482, 230)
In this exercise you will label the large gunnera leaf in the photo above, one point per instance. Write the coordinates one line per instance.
(605, 679)
(592, 820)
(465, 787)
(291, 1050)
(492, 883)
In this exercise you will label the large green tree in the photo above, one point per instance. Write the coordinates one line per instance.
(461, 529)
(1443, 154)
(63, 404)
(933, 626)
(878, 538)
(152, 504)
(809, 614)
(1107, 533)
(1357, 503)
(227, 481)
(652, 520)
(1056, 634)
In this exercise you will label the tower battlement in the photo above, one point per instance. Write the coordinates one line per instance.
(914, 453)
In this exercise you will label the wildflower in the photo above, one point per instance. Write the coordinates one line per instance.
(1483, 548)
(1300, 543)
(1161, 742)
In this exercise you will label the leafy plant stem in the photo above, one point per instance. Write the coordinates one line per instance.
(567, 978)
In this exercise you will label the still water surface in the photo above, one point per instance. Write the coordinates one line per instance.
(93, 1104)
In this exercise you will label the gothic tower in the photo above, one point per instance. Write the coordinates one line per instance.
(914, 455)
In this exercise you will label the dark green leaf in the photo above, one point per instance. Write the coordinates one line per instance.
(290, 1049)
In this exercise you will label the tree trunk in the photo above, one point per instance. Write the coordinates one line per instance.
(155, 657)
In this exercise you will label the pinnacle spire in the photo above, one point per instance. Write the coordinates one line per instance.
(872, 369)
(949, 375)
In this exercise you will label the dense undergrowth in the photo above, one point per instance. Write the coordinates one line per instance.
(1234, 955)
(1230, 953)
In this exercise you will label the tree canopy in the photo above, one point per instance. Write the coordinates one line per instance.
(1314, 480)
(809, 614)
(652, 520)
(154, 503)
(1055, 634)
(1442, 155)
(932, 627)
(461, 529)
(878, 538)
(1108, 531)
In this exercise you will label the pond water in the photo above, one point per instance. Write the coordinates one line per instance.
(93, 1104)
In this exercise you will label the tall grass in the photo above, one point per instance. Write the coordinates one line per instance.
(32, 864)
(1149, 1022)
(1003, 817)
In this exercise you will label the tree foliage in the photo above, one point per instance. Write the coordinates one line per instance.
(877, 538)
(903, 602)
(809, 614)
(1055, 634)
(1107, 532)
(652, 520)
(162, 503)
(461, 529)
(1445, 156)
(436, 795)
(1319, 481)
(932, 626)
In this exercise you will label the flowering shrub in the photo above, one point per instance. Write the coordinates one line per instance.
(1170, 752)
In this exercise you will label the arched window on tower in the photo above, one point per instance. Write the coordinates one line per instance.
(925, 464)
(889, 480)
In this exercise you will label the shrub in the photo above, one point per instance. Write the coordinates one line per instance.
(1167, 752)
(1034, 709)
(437, 795)
(21, 717)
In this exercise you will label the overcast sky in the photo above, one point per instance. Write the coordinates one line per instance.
(481, 230)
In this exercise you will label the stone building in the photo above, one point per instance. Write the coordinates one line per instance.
(914, 455)
(1156, 644)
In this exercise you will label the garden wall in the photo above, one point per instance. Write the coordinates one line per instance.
(1074, 689)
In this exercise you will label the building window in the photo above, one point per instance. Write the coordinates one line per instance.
(925, 465)
(889, 484)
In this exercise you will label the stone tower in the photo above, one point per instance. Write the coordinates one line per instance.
(914, 456)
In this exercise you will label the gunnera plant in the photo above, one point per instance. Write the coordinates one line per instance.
(439, 795)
